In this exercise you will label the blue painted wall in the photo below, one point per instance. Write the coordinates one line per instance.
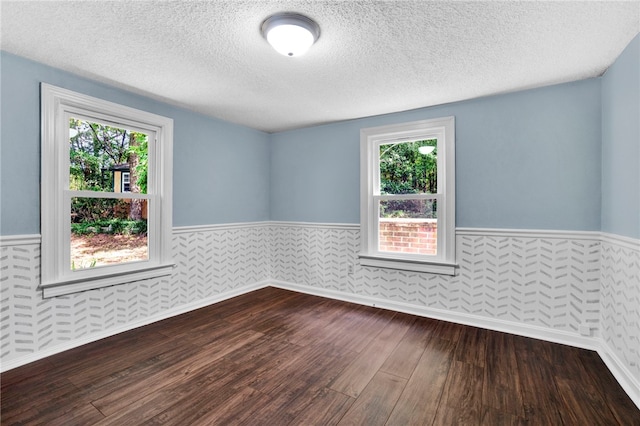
(562, 157)
(219, 168)
(621, 144)
(529, 159)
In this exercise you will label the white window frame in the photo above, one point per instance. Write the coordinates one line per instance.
(57, 278)
(124, 181)
(442, 129)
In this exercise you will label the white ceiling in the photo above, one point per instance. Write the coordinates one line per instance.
(373, 57)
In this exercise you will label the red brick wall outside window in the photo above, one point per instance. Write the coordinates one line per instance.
(417, 236)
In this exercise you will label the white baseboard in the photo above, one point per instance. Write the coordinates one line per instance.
(26, 359)
(630, 384)
(617, 368)
(534, 331)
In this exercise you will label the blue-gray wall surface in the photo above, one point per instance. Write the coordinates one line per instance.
(563, 157)
(219, 173)
(621, 144)
(528, 160)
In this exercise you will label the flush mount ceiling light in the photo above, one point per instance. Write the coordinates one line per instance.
(290, 34)
(426, 149)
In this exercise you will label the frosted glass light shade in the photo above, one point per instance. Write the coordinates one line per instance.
(290, 34)
(426, 149)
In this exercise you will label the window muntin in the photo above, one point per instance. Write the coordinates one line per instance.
(66, 118)
(407, 196)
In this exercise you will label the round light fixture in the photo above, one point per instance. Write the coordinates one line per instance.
(290, 34)
(426, 149)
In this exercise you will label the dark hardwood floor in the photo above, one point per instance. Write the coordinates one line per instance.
(275, 357)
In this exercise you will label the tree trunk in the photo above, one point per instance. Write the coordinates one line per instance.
(135, 213)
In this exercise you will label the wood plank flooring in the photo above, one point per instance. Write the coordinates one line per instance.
(275, 357)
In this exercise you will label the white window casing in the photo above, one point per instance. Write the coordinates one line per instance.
(57, 278)
(442, 129)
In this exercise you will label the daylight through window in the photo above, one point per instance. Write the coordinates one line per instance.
(106, 193)
(107, 159)
(407, 196)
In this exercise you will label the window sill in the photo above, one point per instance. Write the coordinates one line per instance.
(442, 268)
(68, 286)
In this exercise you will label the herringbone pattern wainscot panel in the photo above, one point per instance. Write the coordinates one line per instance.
(549, 282)
(22, 310)
(542, 280)
(209, 263)
(216, 261)
(620, 302)
(315, 256)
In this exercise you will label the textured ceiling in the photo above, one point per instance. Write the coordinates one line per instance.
(373, 57)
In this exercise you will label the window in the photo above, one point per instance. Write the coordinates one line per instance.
(105, 193)
(126, 182)
(407, 196)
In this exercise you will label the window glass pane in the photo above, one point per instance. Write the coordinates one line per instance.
(408, 226)
(409, 167)
(103, 231)
(105, 158)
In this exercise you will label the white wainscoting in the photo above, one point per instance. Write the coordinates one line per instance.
(212, 264)
(620, 310)
(535, 283)
(576, 288)
(543, 281)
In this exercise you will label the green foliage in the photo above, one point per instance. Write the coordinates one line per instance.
(95, 148)
(93, 209)
(93, 152)
(408, 209)
(404, 170)
(141, 150)
(110, 226)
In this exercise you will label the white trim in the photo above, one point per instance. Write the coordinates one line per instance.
(111, 195)
(621, 241)
(442, 129)
(406, 264)
(23, 360)
(266, 223)
(620, 372)
(627, 381)
(77, 285)
(345, 226)
(57, 105)
(20, 240)
(623, 376)
(527, 330)
(406, 220)
(530, 233)
(218, 227)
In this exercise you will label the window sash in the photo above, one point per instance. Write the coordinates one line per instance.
(420, 136)
(152, 229)
(152, 236)
(58, 105)
(371, 139)
(375, 243)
